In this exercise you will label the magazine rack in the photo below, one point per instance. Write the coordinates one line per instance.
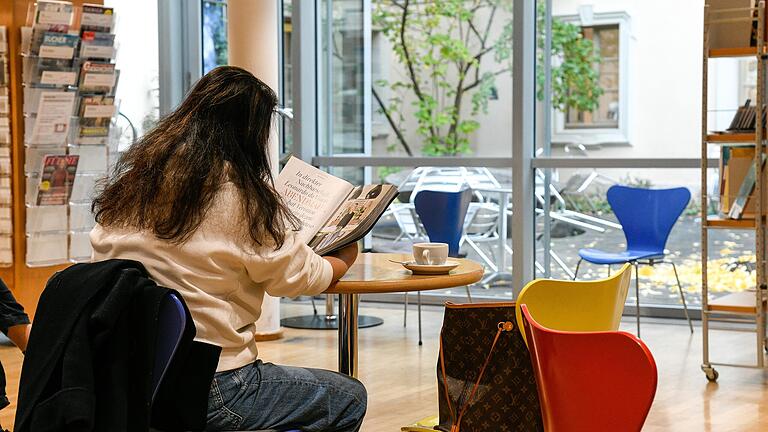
(69, 80)
(44, 239)
(6, 201)
(724, 24)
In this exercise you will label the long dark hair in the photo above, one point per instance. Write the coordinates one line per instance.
(168, 180)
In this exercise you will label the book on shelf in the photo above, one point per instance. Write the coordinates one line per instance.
(737, 172)
(56, 179)
(333, 212)
(96, 112)
(745, 190)
(745, 119)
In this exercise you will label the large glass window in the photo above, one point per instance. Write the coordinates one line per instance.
(214, 34)
(442, 78)
(420, 79)
(342, 74)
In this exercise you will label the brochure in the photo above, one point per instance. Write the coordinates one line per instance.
(333, 212)
(56, 179)
(53, 116)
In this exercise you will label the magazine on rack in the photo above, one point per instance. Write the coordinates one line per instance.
(50, 16)
(97, 77)
(97, 18)
(56, 179)
(58, 46)
(333, 212)
(97, 45)
(95, 114)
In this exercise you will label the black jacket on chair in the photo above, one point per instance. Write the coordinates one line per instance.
(88, 364)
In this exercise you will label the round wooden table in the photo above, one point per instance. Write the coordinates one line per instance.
(374, 273)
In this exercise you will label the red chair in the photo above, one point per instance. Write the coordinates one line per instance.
(591, 381)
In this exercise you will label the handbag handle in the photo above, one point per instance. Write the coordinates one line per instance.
(456, 422)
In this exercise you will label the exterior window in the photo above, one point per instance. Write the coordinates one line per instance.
(214, 34)
(606, 42)
(608, 124)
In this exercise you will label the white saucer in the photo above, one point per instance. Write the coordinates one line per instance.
(426, 269)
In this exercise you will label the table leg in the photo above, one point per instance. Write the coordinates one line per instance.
(348, 304)
(502, 262)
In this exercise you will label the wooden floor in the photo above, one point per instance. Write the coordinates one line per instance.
(401, 381)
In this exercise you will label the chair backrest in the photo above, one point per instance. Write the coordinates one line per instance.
(647, 215)
(442, 214)
(172, 322)
(602, 381)
(594, 305)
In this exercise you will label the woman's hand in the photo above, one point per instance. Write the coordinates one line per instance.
(341, 260)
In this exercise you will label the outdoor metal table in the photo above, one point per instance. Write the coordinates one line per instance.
(374, 273)
(501, 272)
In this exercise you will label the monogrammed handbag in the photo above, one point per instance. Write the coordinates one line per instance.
(484, 374)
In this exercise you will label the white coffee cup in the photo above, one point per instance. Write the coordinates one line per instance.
(430, 253)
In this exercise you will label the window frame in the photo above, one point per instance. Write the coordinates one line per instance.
(595, 135)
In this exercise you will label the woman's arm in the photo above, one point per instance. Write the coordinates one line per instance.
(19, 335)
(341, 260)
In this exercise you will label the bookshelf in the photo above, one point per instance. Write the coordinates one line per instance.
(723, 22)
(26, 282)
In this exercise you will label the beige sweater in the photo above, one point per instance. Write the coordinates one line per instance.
(221, 277)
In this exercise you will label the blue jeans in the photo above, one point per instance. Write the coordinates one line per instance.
(265, 396)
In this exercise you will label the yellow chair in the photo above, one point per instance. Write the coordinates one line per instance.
(576, 305)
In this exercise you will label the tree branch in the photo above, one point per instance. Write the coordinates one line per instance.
(478, 81)
(391, 122)
(408, 61)
(488, 25)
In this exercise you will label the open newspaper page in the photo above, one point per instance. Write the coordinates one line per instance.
(311, 194)
(354, 218)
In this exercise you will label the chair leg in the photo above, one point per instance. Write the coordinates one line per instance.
(418, 297)
(637, 297)
(405, 310)
(314, 308)
(609, 270)
(682, 296)
(578, 264)
(469, 294)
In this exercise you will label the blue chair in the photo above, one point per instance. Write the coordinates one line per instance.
(172, 322)
(442, 214)
(646, 217)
